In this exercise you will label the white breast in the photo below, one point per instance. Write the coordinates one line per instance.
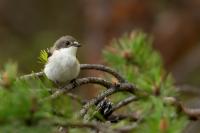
(62, 67)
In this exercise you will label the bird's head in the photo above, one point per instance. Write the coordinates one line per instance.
(65, 42)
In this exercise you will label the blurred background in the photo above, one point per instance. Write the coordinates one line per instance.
(27, 26)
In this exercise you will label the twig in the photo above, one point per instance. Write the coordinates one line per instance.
(38, 74)
(124, 103)
(118, 117)
(90, 80)
(84, 67)
(191, 112)
(79, 82)
(194, 113)
(104, 69)
(110, 91)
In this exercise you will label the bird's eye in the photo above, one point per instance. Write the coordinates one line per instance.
(67, 43)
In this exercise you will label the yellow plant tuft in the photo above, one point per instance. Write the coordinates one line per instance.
(43, 56)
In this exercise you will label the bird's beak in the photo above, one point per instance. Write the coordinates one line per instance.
(76, 44)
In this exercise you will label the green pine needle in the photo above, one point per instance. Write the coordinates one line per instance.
(43, 56)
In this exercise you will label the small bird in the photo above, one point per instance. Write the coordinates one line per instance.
(62, 65)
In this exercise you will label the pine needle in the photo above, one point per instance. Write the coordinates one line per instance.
(43, 57)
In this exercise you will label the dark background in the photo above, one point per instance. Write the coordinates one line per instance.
(27, 26)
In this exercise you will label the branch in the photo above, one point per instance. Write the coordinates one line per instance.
(133, 117)
(110, 91)
(104, 69)
(79, 82)
(32, 75)
(99, 127)
(193, 113)
(84, 67)
(89, 80)
(124, 103)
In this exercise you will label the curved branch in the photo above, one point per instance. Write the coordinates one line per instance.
(84, 67)
(104, 69)
(79, 82)
(92, 80)
(124, 103)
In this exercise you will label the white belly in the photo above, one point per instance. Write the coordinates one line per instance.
(62, 68)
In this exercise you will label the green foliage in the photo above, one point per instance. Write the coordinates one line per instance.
(43, 57)
(134, 57)
(22, 107)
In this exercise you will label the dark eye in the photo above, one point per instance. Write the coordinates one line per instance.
(67, 43)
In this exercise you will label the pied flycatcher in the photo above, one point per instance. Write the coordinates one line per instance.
(62, 65)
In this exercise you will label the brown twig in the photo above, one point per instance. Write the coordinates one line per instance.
(124, 103)
(104, 69)
(79, 82)
(89, 80)
(133, 117)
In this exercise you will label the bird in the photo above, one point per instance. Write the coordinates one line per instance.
(62, 65)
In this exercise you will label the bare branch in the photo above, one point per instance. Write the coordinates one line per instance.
(104, 69)
(124, 102)
(133, 117)
(99, 127)
(79, 82)
(32, 75)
